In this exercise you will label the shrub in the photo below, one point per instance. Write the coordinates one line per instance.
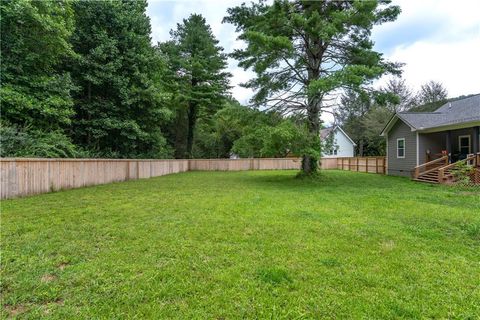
(25, 142)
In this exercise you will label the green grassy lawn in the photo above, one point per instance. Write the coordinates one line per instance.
(213, 245)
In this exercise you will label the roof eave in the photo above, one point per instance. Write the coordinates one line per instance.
(451, 126)
(346, 135)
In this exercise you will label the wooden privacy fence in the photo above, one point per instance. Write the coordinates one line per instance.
(244, 164)
(21, 177)
(254, 164)
(363, 164)
(25, 176)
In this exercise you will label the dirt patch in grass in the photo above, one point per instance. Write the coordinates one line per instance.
(52, 304)
(62, 266)
(46, 278)
(16, 310)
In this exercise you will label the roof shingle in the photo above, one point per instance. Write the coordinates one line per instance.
(459, 111)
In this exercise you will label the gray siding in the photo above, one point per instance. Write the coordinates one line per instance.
(401, 166)
(462, 132)
(435, 142)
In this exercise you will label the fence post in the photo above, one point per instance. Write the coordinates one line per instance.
(366, 163)
(358, 169)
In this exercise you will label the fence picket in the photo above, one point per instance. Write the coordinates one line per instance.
(25, 176)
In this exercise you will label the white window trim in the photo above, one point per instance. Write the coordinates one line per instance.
(404, 148)
(469, 143)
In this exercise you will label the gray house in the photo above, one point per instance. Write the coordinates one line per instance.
(450, 133)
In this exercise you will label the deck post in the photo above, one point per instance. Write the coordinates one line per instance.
(449, 145)
(476, 143)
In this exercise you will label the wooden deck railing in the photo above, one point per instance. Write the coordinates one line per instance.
(429, 166)
(473, 160)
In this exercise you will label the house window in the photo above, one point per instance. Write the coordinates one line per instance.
(401, 148)
(464, 144)
(335, 152)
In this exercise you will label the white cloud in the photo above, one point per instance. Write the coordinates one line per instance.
(436, 39)
(455, 64)
(448, 52)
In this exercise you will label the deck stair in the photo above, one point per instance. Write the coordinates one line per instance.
(440, 171)
(432, 176)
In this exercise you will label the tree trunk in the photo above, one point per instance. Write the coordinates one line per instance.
(310, 162)
(192, 119)
(88, 112)
(360, 148)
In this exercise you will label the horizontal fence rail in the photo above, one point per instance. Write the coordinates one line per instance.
(26, 176)
(363, 164)
(21, 177)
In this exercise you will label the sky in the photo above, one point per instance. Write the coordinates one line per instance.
(435, 39)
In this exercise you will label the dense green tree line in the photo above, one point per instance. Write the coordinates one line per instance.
(363, 116)
(82, 79)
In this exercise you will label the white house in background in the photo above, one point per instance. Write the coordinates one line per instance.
(342, 146)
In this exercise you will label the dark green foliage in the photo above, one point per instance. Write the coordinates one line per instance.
(246, 132)
(301, 51)
(34, 42)
(374, 122)
(35, 93)
(354, 106)
(429, 107)
(432, 92)
(364, 113)
(30, 142)
(432, 106)
(397, 96)
(214, 136)
(120, 104)
(196, 78)
(273, 140)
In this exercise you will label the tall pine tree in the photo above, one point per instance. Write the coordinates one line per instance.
(120, 105)
(301, 51)
(197, 78)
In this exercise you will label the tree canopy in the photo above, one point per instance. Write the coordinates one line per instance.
(119, 104)
(302, 51)
(197, 78)
(83, 79)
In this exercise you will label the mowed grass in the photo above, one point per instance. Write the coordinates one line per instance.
(227, 245)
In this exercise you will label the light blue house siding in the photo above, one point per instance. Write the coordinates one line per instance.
(343, 145)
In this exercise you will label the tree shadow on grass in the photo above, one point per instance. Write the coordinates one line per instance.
(325, 179)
